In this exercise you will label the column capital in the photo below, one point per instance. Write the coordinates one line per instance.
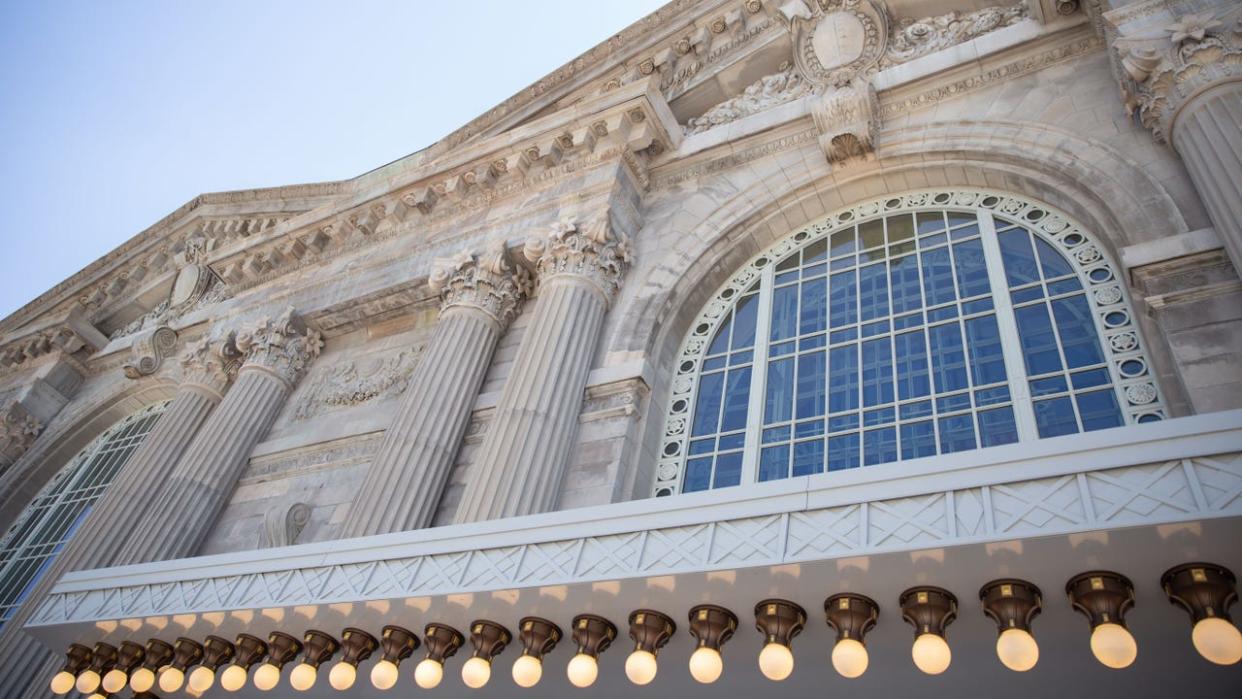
(282, 344)
(593, 251)
(489, 282)
(211, 364)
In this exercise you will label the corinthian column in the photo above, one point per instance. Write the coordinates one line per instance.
(275, 354)
(479, 297)
(523, 456)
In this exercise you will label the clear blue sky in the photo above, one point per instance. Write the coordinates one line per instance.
(113, 113)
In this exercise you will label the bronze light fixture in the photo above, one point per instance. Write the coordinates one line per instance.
(77, 659)
(158, 654)
(650, 631)
(711, 626)
(397, 643)
(442, 643)
(281, 648)
(1012, 604)
(128, 657)
(929, 610)
(488, 639)
(103, 659)
(779, 621)
(247, 651)
(1206, 591)
(593, 634)
(216, 652)
(539, 636)
(1104, 597)
(851, 616)
(317, 649)
(186, 652)
(356, 645)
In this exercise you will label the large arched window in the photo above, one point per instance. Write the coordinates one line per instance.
(41, 531)
(905, 327)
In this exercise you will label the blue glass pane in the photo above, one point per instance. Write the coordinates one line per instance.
(1099, 410)
(811, 382)
(778, 401)
(916, 409)
(1028, 294)
(737, 399)
(952, 404)
(977, 306)
(990, 396)
(808, 429)
(873, 291)
(814, 271)
(912, 377)
(957, 433)
(930, 221)
(1055, 417)
(877, 372)
(997, 427)
(904, 275)
(948, 358)
(728, 470)
(1018, 257)
(774, 463)
(741, 357)
(879, 446)
(1078, 338)
(815, 251)
(1053, 263)
(918, 439)
(871, 329)
(786, 277)
(843, 379)
(744, 318)
(840, 423)
(843, 299)
(842, 242)
(812, 342)
(732, 441)
(808, 457)
(938, 277)
(905, 322)
(715, 363)
(1064, 286)
(1091, 377)
(1052, 384)
(707, 408)
(776, 434)
(784, 312)
(814, 306)
(1039, 343)
(882, 416)
(839, 336)
(987, 362)
(843, 452)
(940, 314)
(702, 446)
(698, 475)
(780, 349)
(972, 271)
(720, 343)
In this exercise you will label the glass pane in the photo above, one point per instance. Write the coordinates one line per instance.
(871, 233)
(879, 446)
(707, 408)
(1039, 344)
(1018, 257)
(721, 342)
(873, 291)
(972, 271)
(997, 427)
(778, 402)
(948, 358)
(930, 221)
(904, 275)
(877, 372)
(744, 333)
(737, 399)
(918, 439)
(1099, 410)
(728, 470)
(987, 362)
(843, 379)
(1078, 337)
(698, 475)
(811, 382)
(808, 457)
(938, 277)
(843, 452)
(1055, 417)
(774, 463)
(814, 306)
(957, 433)
(843, 299)
(900, 228)
(784, 312)
(912, 377)
(1053, 263)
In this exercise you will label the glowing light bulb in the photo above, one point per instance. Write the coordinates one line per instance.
(202, 678)
(303, 677)
(428, 673)
(931, 653)
(384, 674)
(142, 680)
(266, 677)
(706, 665)
(232, 679)
(582, 670)
(342, 676)
(849, 657)
(641, 667)
(776, 661)
(88, 682)
(527, 671)
(1017, 650)
(97, 695)
(62, 682)
(476, 672)
(1112, 645)
(114, 681)
(171, 679)
(1217, 640)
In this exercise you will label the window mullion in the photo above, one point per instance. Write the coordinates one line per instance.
(758, 377)
(1006, 322)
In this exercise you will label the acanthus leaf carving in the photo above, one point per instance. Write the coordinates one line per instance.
(18, 430)
(489, 282)
(767, 92)
(211, 363)
(282, 344)
(593, 251)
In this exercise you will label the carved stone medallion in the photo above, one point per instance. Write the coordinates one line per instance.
(190, 284)
(839, 40)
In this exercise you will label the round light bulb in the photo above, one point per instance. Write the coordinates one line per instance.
(342, 676)
(849, 657)
(428, 673)
(303, 677)
(114, 681)
(706, 665)
(641, 667)
(1217, 640)
(62, 682)
(776, 661)
(97, 695)
(582, 670)
(266, 677)
(384, 674)
(527, 670)
(171, 679)
(1113, 645)
(476, 672)
(88, 682)
(931, 653)
(202, 678)
(232, 679)
(142, 680)
(1017, 650)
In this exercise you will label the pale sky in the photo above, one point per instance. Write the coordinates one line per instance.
(114, 113)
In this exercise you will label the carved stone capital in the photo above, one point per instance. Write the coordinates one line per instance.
(592, 251)
(283, 345)
(489, 282)
(148, 350)
(211, 364)
(848, 119)
(18, 430)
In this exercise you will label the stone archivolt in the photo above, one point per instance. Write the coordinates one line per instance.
(592, 251)
(489, 282)
(282, 344)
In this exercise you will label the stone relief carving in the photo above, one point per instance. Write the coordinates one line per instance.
(283, 344)
(148, 351)
(282, 525)
(18, 430)
(195, 286)
(211, 363)
(912, 38)
(847, 119)
(489, 282)
(592, 250)
(357, 381)
(763, 94)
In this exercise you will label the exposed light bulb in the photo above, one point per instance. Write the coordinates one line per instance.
(1113, 645)
(142, 680)
(527, 671)
(428, 673)
(1017, 649)
(87, 682)
(232, 679)
(97, 695)
(384, 674)
(776, 661)
(931, 653)
(171, 679)
(266, 677)
(849, 657)
(476, 672)
(641, 667)
(62, 682)
(114, 681)
(582, 670)
(202, 678)
(303, 677)
(706, 665)
(1217, 640)
(342, 676)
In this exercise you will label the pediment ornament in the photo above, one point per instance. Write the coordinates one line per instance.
(837, 41)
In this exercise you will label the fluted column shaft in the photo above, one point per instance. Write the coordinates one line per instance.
(1208, 135)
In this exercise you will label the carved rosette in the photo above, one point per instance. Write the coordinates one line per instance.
(490, 283)
(211, 364)
(591, 251)
(18, 430)
(283, 345)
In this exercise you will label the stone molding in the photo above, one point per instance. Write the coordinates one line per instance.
(592, 251)
(281, 344)
(489, 282)
(148, 350)
(18, 430)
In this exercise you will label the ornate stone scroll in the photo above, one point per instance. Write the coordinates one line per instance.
(282, 524)
(148, 350)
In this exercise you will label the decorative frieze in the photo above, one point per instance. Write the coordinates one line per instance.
(357, 381)
(18, 430)
(282, 344)
(489, 282)
(767, 92)
(592, 251)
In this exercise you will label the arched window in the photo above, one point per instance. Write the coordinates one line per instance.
(46, 525)
(905, 327)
